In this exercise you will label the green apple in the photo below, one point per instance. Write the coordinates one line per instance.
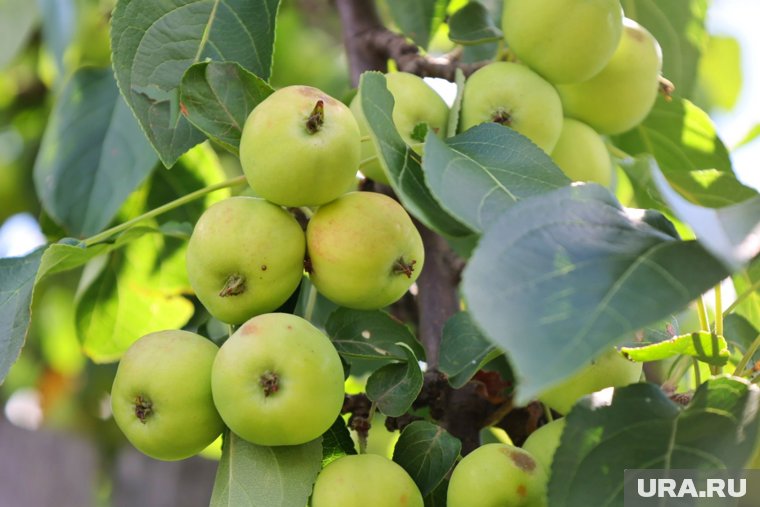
(496, 475)
(415, 103)
(566, 41)
(245, 257)
(364, 250)
(514, 96)
(365, 480)
(582, 154)
(278, 380)
(542, 443)
(300, 147)
(620, 96)
(161, 395)
(610, 369)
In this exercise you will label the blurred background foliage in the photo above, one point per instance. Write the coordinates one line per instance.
(42, 43)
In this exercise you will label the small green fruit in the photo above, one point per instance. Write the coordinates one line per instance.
(514, 96)
(582, 154)
(610, 369)
(300, 147)
(566, 41)
(620, 96)
(495, 475)
(365, 480)
(364, 250)
(416, 103)
(161, 396)
(542, 443)
(278, 380)
(245, 257)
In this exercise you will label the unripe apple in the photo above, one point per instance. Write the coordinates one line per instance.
(300, 147)
(364, 250)
(415, 103)
(244, 258)
(365, 480)
(496, 475)
(514, 96)
(542, 443)
(621, 95)
(161, 395)
(566, 41)
(582, 155)
(610, 369)
(278, 380)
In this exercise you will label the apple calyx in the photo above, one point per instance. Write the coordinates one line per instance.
(316, 118)
(234, 285)
(270, 383)
(401, 267)
(502, 117)
(143, 408)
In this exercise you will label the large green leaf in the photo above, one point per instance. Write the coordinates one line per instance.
(562, 276)
(643, 429)
(679, 27)
(139, 291)
(17, 276)
(17, 19)
(418, 20)
(251, 475)
(473, 24)
(93, 154)
(464, 349)
(217, 98)
(402, 164)
(683, 140)
(730, 233)
(154, 42)
(395, 386)
(478, 174)
(427, 452)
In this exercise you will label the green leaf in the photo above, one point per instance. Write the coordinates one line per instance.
(473, 24)
(251, 475)
(739, 331)
(427, 452)
(464, 349)
(753, 134)
(154, 43)
(418, 20)
(218, 97)
(370, 335)
(401, 163)
(730, 233)
(456, 106)
(17, 19)
(336, 442)
(394, 387)
(683, 140)
(59, 23)
(706, 347)
(17, 277)
(138, 292)
(747, 284)
(643, 429)
(93, 154)
(720, 72)
(478, 174)
(563, 276)
(438, 497)
(679, 27)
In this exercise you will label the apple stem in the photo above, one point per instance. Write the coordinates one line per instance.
(270, 383)
(234, 285)
(316, 118)
(401, 267)
(143, 408)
